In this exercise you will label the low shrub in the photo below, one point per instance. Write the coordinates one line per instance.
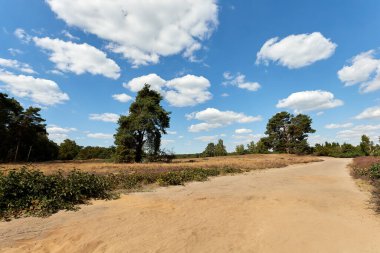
(368, 168)
(29, 192)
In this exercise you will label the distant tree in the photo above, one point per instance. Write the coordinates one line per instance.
(240, 150)
(140, 132)
(209, 150)
(366, 145)
(251, 148)
(220, 149)
(288, 133)
(68, 150)
(95, 153)
(262, 146)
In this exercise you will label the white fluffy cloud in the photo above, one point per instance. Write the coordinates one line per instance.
(336, 126)
(309, 101)
(124, 98)
(243, 131)
(58, 134)
(238, 80)
(214, 118)
(183, 91)
(296, 51)
(143, 30)
(100, 136)
(353, 134)
(41, 91)
(201, 127)
(364, 69)
(187, 91)
(105, 117)
(78, 58)
(16, 65)
(370, 113)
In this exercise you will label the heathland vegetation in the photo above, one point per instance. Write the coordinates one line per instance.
(137, 158)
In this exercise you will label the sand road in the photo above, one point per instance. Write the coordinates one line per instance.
(313, 207)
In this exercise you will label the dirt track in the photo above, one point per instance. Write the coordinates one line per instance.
(302, 208)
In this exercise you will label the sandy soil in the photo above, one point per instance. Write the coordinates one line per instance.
(313, 207)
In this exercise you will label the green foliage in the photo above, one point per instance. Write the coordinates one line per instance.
(366, 145)
(334, 149)
(240, 150)
(209, 150)
(215, 149)
(220, 149)
(139, 133)
(89, 152)
(23, 133)
(68, 150)
(288, 133)
(30, 192)
(374, 171)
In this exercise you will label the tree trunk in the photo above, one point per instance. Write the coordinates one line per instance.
(16, 153)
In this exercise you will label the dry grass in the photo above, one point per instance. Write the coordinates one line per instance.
(244, 162)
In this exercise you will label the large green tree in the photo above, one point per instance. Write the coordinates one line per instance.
(288, 133)
(209, 150)
(139, 133)
(23, 135)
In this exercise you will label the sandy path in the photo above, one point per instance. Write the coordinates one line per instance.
(302, 208)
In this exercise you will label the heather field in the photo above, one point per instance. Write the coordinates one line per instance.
(244, 162)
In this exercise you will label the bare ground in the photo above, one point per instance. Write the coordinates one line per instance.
(313, 207)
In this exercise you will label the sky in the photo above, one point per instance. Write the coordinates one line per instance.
(223, 67)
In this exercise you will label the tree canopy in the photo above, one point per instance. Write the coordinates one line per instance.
(23, 133)
(288, 133)
(139, 133)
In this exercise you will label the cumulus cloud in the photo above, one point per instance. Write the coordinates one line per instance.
(296, 51)
(335, 126)
(59, 134)
(78, 58)
(22, 35)
(370, 113)
(201, 127)
(188, 90)
(239, 81)
(214, 118)
(105, 117)
(124, 98)
(208, 138)
(309, 101)
(353, 134)
(364, 70)
(41, 91)
(247, 138)
(143, 30)
(16, 65)
(243, 131)
(100, 136)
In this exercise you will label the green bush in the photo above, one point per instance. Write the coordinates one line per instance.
(28, 192)
(374, 171)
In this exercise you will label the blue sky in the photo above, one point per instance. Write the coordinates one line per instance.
(223, 67)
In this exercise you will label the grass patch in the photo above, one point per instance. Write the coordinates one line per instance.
(368, 169)
(30, 192)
